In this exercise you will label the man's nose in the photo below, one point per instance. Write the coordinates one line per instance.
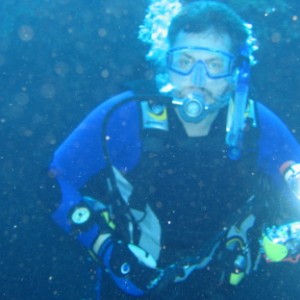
(199, 74)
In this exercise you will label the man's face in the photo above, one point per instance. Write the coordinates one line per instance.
(202, 78)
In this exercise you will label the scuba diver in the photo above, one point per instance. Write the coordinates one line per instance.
(171, 186)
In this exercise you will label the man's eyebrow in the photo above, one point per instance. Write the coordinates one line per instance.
(213, 59)
(188, 55)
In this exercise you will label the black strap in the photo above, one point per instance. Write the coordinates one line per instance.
(152, 144)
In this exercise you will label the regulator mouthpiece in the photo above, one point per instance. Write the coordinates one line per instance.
(192, 109)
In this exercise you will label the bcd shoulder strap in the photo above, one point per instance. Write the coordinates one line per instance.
(153, 127)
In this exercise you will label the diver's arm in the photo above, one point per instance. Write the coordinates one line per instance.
(280, 160)
(78, 159)
(277, 146)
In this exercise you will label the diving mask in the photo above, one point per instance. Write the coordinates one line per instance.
(217, 64)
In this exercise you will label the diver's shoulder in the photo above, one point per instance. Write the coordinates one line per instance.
(131, 94)
(264, 111)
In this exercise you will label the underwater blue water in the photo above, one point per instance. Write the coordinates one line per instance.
(58, 60)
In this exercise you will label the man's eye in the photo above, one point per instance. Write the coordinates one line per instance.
(185, 63)
(215, 65)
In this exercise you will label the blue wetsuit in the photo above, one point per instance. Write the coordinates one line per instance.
(194, 186)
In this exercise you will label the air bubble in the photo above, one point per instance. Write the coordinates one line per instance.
(26, 33)
(48, 91)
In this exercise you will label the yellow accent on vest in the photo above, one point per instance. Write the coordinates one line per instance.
(234, 240)
(161, 117)
(235, 279)
(110, 223)
(274, 252)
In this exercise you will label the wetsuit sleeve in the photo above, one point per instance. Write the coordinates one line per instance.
(277, 146)
(79, 158)
(276, 143)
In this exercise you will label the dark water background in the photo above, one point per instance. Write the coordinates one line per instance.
(58, 60)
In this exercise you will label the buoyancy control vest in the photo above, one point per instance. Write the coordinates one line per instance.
(158, 122)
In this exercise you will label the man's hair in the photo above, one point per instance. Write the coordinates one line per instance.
(201, 16)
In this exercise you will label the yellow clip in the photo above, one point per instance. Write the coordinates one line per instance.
(160, 117)
(236, 278)
(274, 252)
(109, 222)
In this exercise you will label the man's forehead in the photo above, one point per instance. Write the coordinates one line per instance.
(207, 39)
(200, 53)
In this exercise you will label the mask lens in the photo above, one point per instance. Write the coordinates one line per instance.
(217, 64)
(182, 62)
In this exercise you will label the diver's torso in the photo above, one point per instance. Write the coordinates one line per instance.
(197, 188)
